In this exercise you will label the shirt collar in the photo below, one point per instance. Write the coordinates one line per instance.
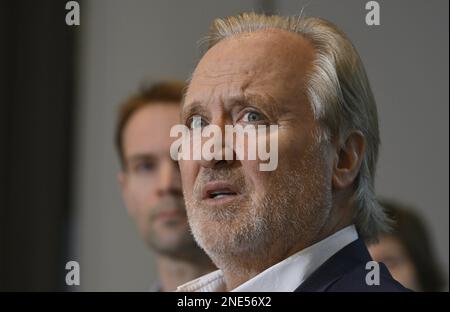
(210, 282)
(285, 276)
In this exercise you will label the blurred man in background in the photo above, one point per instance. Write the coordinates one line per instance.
(407, 251)
(151, 184)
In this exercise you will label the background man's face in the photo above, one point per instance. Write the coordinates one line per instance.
(257, 79)
(151, 183)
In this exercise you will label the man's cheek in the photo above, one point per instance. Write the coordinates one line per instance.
(189, 171)
(250, 169)
(288, 155)
(183, 172)
(255, 179)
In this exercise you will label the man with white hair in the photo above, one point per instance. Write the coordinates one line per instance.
(300, 227)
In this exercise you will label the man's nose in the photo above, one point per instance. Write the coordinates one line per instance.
(169, 178)
(223, 157)
(220, 159)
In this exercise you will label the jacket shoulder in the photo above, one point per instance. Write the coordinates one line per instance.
(346, 271)
(355, 281)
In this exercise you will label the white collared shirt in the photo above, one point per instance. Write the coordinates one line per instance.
(285, 276)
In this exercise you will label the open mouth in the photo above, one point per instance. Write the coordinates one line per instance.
(219, 191)
(221, 194)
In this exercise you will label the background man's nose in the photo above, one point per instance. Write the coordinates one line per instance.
(169, 178)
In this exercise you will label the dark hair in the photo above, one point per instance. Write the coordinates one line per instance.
(410, 230)
(163, 91)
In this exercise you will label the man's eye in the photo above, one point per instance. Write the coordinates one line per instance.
(252, 117)
(145, 167)
(196, 122)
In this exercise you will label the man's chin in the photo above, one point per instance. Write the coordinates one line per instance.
(219, 239)
(227, 211)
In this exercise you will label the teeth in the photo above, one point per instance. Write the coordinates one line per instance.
(221, 194)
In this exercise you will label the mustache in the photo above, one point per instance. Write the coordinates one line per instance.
(230, 175)
(168, 203)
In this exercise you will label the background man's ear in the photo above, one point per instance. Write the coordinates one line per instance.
(349, 156)
(122, 179)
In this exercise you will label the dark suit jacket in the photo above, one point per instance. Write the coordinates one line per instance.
(346, 271)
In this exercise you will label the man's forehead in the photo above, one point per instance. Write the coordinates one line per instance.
(271, 46)
(153, 115)
(272, 62)
(148, 128)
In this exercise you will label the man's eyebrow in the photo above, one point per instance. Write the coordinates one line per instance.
(191, 108)
(263, 100)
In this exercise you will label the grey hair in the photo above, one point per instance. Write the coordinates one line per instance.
(340, 95)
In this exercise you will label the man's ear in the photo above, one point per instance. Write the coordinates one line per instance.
(349, 156)
(123, 183)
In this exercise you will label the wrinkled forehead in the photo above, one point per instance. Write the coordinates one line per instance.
(275, 60)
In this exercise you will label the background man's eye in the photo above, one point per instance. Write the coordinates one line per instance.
(197, 122)
(252, 117)
(145, 167)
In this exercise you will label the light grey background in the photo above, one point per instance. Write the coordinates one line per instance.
(124, 42)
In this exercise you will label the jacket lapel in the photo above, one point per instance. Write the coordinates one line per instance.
(345, 260)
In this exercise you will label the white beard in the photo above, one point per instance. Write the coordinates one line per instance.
(293, 209)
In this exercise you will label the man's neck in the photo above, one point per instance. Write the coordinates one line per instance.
(174, 272)
(250, 267)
